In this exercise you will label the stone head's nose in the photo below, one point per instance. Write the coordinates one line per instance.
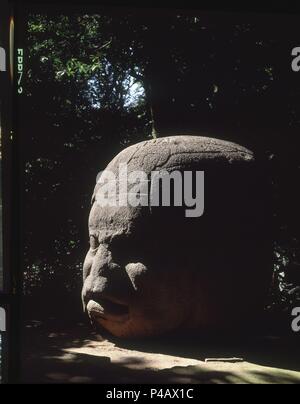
(111, 283)
(103, 263)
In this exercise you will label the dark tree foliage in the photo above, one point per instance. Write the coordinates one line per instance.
(97, 83)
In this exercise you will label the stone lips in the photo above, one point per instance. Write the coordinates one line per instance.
(150, 273)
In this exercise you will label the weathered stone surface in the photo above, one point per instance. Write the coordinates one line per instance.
(152, 271)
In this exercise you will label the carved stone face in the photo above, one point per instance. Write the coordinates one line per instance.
(150, 271)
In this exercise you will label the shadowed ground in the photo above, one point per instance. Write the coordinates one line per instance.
(81, 356)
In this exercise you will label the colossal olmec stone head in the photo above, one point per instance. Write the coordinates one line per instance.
(152, 270)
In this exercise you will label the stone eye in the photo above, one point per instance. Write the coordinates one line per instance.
(94, 242)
